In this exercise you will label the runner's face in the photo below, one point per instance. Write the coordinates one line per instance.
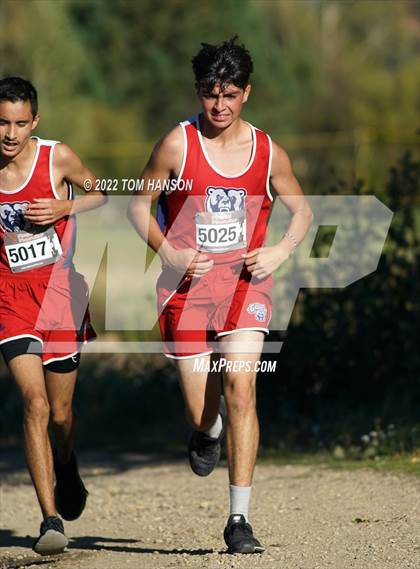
(222, 108)
(16, 126)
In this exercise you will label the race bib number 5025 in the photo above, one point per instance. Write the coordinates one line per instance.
(219, 232)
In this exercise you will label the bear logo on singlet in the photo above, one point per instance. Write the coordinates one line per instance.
(12, 216)
(225, 199)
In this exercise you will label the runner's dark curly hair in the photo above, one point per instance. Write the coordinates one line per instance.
(224, 64)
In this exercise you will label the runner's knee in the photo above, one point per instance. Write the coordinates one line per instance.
(61, 413)
(240, 397)
(37, 409)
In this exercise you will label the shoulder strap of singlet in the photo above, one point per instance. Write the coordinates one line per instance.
(45, 142)
(270, 159)
(52, 144)
(184, 125)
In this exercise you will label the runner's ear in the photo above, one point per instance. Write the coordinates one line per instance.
(35, 121)
(246, 93)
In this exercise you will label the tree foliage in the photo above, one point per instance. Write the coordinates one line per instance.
(334, 81)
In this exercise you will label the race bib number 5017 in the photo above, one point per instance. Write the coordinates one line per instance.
(31, 250)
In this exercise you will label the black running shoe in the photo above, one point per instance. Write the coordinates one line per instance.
(239, 537)
(52, 539)
(70, 492)
(204, 451)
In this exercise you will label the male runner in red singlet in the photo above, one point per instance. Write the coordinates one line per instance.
(216, 279)
(43, 300)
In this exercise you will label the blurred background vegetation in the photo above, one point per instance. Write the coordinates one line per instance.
(336, 83)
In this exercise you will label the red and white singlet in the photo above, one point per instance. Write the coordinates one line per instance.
(38, 255)
(41, 295)
(224, 217)
(221, 215)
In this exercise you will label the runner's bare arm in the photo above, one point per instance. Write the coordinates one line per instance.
(67, 167)
(265, 260)
(286, 186)
(163, 164)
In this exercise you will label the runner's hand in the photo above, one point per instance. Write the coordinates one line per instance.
(45, 211)
(189, 262)
(263, 261)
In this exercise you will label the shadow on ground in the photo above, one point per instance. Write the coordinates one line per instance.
(89, 543)
(101, 543)
(13, 467)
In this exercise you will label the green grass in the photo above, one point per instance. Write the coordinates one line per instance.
(407, 463)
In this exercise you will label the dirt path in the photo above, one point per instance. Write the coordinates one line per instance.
(148, 515)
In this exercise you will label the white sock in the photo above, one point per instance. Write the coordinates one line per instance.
(216, 429)
(239, 499)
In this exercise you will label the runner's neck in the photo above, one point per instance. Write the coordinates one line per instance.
(227, 136)
(16, 169)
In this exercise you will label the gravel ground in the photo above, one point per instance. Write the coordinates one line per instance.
(146, 514)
